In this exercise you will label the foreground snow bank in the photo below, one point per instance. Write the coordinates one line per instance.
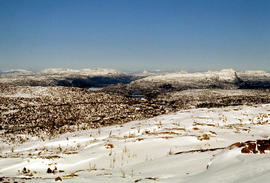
(162, 149)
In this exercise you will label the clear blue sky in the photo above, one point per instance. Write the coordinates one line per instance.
(131, 35)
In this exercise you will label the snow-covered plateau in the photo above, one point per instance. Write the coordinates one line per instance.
(194, 145)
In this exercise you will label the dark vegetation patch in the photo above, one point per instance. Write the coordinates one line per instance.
(68, 109)
(79, 81)
(96, 81)
(254, 85)
(235, 101)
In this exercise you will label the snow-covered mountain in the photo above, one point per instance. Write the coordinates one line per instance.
(101, 77)
(83, 78)
(226, 78)
(223, 75)
(86, 71)
(16, 71)
(251, 75)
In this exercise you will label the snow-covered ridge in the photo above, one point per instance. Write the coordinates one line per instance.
(64, 71)
(256, 74)
(86, 71)
(16, 71)
(224, 75)
(83, 78)
(226, 78)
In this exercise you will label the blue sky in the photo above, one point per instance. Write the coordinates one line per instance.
(132, 35)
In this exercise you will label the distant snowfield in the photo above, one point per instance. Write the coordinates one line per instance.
(148, 150)
(86, 71)
(225, 75)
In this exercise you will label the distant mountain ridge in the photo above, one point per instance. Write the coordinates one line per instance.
(82, 78)
(102, 77)
(86, 71)
(154, 85)
(16, 71)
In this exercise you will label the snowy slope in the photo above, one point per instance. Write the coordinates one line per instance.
(228, 75)
(225, 79)
(255, 75)
(183, 80)
(153, 150)
(224, 75)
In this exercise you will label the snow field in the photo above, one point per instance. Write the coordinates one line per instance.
(153, 150)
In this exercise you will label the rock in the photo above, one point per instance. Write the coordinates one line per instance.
(58, 179)
(49, 170)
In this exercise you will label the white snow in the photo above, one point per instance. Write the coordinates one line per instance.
(18, 71)
(86, 71)
(226, 75)
(201, 78)
(143, 151)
